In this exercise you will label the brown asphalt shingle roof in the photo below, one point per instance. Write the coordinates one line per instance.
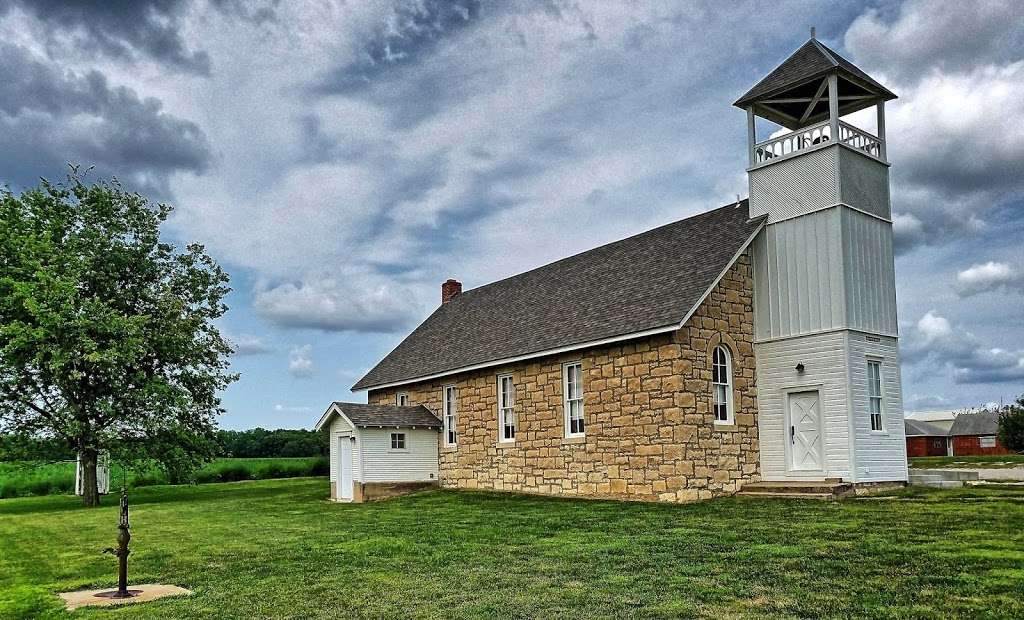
(645, 282)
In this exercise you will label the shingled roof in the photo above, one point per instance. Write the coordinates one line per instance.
(919, 428)
(799, 76)
(383, 415)
(643, 284)
(978, 423)
(813, 59)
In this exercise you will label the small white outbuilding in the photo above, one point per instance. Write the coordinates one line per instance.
(378, 451)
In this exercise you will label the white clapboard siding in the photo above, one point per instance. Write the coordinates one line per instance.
(417, 463)
(869, 273)
(878, 456)
(824, 359)
(341, 428)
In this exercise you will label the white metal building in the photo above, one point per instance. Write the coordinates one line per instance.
(380, 450)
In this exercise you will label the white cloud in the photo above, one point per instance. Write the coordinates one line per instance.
(300, 364)
(936, 343)
(292, 408)
(988, 277)
(248, 344)
(933, 327)
(359, 304)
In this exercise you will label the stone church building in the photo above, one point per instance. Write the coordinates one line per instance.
(754, 343)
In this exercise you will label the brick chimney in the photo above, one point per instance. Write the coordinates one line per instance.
(450, 289)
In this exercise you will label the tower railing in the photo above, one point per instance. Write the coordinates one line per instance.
(812, 136)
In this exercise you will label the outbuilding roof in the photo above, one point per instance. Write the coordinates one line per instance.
(917, 428)
(645, 284)
(978, 423)
(363, 416)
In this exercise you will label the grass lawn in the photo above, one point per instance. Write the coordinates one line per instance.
(986, 461)
(26, 478)
(278, 549)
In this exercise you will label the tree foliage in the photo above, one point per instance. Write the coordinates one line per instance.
(1011, 426)
(107, 334)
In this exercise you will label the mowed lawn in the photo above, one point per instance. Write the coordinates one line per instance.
(278, 549)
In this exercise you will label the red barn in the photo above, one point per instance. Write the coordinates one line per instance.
(971, 434)
(975, 433)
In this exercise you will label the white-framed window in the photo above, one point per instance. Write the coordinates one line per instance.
(989, 441)
(875, 395)
(506, 408)
(572, 393)
(450, 415)
(721, 385)
(402, 399)
(398, 441)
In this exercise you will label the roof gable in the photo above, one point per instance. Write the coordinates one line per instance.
(649, 281)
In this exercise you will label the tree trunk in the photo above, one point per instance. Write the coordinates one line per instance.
(90, 487)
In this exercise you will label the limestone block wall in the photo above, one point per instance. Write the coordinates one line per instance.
(650, 431)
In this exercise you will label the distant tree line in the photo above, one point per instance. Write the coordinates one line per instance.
(260, 442)
(252, 443)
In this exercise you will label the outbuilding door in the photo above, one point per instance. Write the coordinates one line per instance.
(345, 468)
(805, 440)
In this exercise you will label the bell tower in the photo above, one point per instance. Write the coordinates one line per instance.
(828, 367)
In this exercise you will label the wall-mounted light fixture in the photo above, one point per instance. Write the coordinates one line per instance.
(800, 367)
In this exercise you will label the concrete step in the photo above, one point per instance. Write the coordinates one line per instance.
(937, 479)
(811, 489)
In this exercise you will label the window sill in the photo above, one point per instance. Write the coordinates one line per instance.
(725, 427)
(511, 443)
(450, 448)
(574, 439)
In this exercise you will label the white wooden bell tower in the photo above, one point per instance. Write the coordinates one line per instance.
(828, 366)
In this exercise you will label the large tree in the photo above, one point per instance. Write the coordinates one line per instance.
(107, 334)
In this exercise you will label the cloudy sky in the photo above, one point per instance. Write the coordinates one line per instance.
(342, 159)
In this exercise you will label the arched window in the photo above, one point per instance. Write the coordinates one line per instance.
(721, 385)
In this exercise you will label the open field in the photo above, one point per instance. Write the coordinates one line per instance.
(988, 461)
(272, 549)
(27, 478)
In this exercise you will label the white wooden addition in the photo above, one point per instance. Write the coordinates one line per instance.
(824, 277)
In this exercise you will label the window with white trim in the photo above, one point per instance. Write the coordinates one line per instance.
(721, 385)
(450, 417)
(398, 441)
(572, 392)
(989, 441)
(506, 408)
(402, 399)
(875, 395)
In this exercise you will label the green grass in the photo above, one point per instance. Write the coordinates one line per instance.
(278, 549)
(983, 461)
(26, 478)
